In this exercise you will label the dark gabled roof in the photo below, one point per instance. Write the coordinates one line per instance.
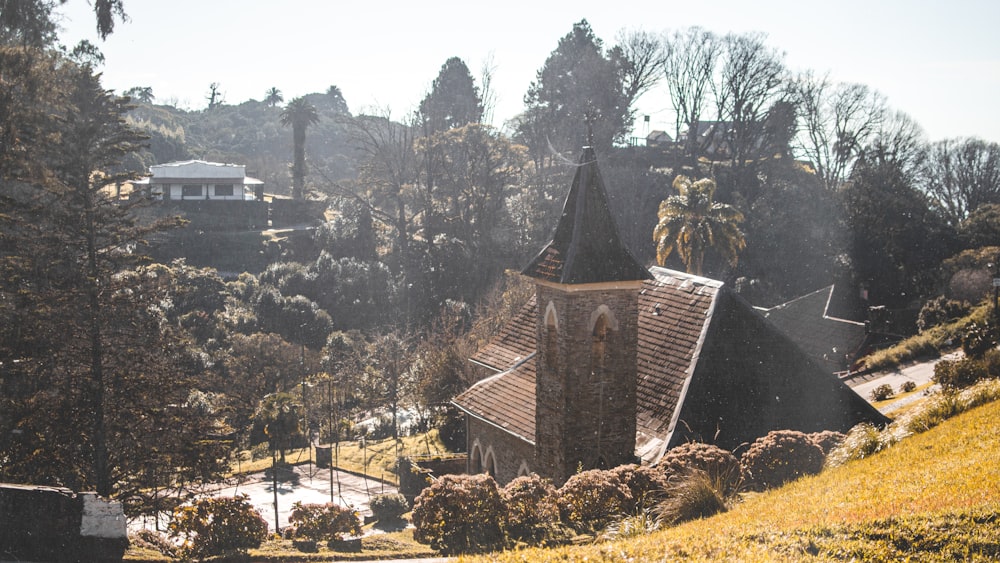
(708, 366)
(586, 247)
(830, 341)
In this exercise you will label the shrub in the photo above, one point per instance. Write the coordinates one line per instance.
(460, 514)
(644, 484)
(907, 386)
(827, 440)
(324, 522)
(531, 507)
(959, 374)
(691, 494)
(389, 508)
(882, 392)
(216, 526)
(979, 338)
(861, 441)
(940, 310)
(781, 456)
(720, 465)
(592, 499)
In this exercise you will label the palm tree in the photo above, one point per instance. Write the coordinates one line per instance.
(692, 223)
(273, 97)
(300, 114)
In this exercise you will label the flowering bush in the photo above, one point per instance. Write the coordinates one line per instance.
(781, 456)
(531, 507)
(215, 526)
(827, 440)
(460, 514)
(590, 500)
(324, 521)
(644, 484)
(721, 466)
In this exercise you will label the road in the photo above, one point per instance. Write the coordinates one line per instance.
(919, 374)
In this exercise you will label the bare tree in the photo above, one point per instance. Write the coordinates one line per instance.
(960, 175)
(837, 121)
(752, 79)
(641, 57)
(690, 58)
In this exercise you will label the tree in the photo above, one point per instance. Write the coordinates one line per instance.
(578, 95)
(215, 97)
(453, 101)
(142, 94)
(300, 114)
(896, 241)
(751, 81)
(279, 414)
(838, 120)
(691, 223)
(960, 175)
(273, 97)
(691, 58)
(640, 57)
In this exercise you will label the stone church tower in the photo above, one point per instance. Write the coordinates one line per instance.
(587, 287)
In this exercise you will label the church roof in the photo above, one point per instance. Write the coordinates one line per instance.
(709, 368)
(586, 247)
(806, 320)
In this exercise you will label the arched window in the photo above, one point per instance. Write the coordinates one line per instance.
(599, 348)
(476, 461)
(551, 337)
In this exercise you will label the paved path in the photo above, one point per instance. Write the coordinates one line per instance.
(348, 490)
(919, 373)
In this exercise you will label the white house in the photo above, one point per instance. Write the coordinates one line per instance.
(193, 180)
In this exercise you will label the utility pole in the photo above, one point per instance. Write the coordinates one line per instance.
(996, 290)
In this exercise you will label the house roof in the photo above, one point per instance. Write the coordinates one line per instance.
(708, 366)
(586, 247)
(806, 320)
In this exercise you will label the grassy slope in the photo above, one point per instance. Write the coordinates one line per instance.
(934, 495)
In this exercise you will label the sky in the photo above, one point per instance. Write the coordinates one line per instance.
(937, 61)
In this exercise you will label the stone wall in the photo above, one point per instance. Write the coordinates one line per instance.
(498, 452)
(585, 410)
(56, 524)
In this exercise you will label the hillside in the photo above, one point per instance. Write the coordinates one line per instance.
(933, 496)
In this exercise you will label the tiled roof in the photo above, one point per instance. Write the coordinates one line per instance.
(586, 247)
(826, 339)
(506, 400)
(706, 363)
(673, 310)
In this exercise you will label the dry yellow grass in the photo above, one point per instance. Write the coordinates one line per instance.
(935, 483)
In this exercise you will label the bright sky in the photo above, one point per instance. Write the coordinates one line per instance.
(937, 61)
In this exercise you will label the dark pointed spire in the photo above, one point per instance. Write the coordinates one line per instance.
(586, 247)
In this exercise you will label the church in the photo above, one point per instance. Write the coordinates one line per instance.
(615, 363)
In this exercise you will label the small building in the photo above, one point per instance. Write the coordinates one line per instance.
(614, 363)
(198, 180)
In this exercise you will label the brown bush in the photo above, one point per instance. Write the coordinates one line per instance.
(591, 500)
(531, 507)
(779, 457)
(719, 464)
(644, 483)
(460, 514)
(827, 440)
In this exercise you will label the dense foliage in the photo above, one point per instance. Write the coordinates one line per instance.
(779, 457)
(323, 522)
(460, 514)
(217, 526)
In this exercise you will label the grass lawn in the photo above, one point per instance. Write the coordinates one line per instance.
(377, 458)
(933, 496)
